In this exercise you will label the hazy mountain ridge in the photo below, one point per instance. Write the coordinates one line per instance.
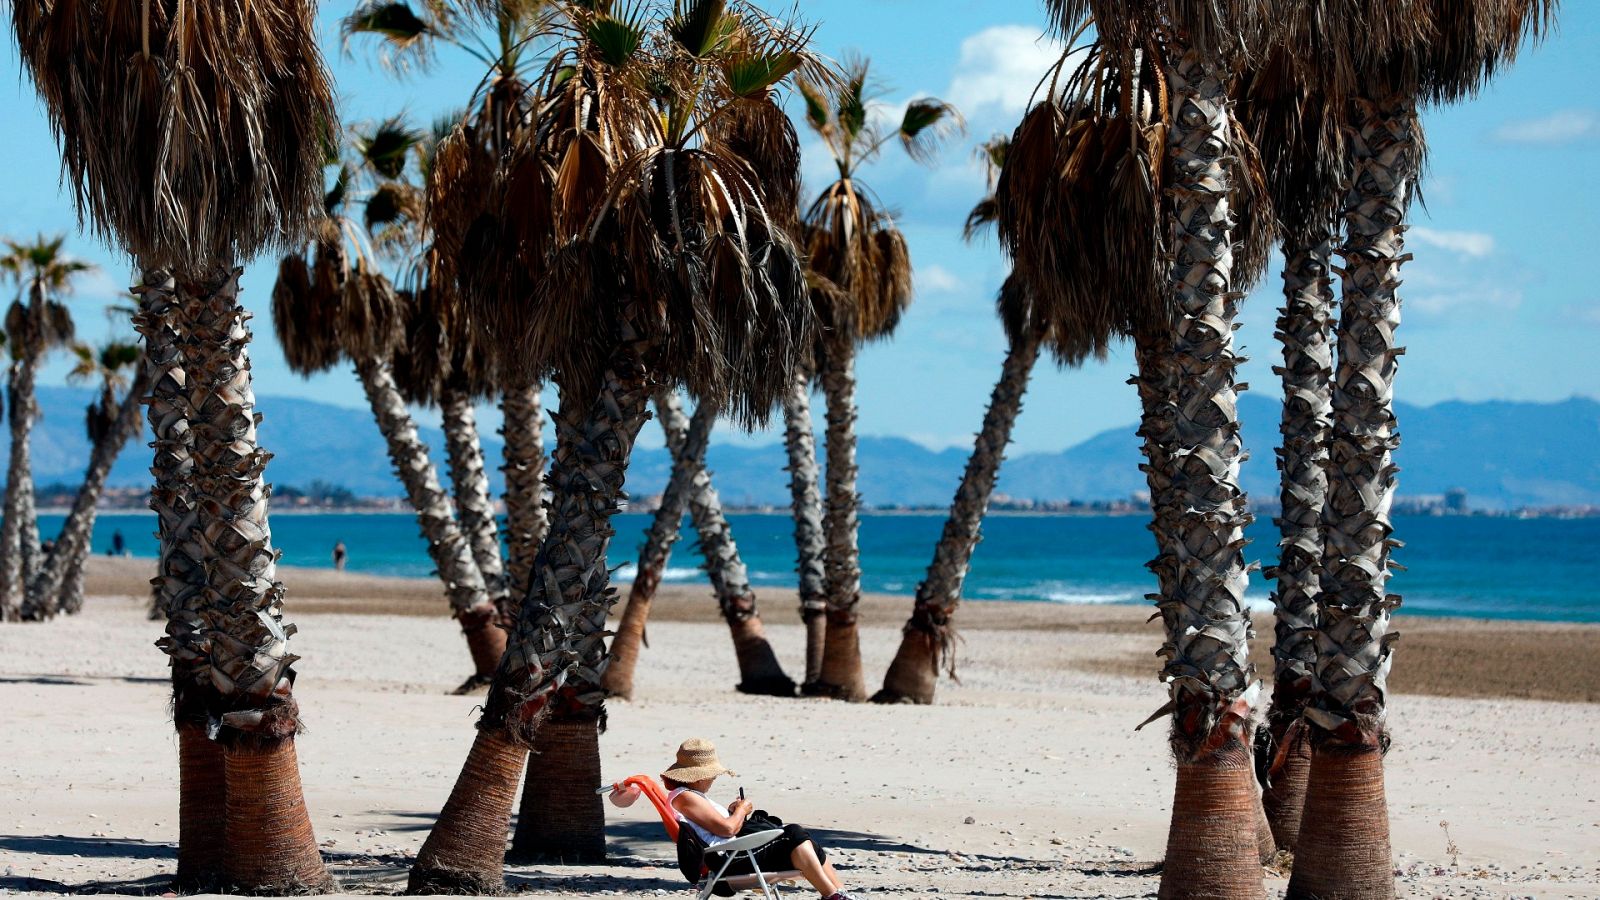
(1504, 453)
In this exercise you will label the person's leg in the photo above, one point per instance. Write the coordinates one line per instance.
(822, 877)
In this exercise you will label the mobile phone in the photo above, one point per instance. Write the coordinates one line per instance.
(741, 793)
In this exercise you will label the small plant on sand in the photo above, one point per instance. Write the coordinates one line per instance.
(1450, 846)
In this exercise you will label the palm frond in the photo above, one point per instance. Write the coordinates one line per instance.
(927, 124)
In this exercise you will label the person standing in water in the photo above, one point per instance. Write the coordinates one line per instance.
(339, 555)
(119, 547)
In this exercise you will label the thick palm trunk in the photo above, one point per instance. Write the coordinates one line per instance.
(1344, 838)
(447, 546)
(841, 657)
(248, 701)
(59, 584)
(1208, 670)
(562, 820)
(810, 542)
(178, 588)
(469, 482)
(16, 558)
(1307, 372)
(665, 530)
(526, 521)
(556, 656)
(928, 640)
(759, 670)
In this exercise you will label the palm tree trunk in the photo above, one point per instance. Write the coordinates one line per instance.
(12, 585)
(1307, 372)
(841, 658)
(526, 521)
(562, 820)
(60, 582)
(759, 670)
(179, 588)
(1344, 838)
(556, 656)
(665, 530)
(447, 546)
(469, 481)
(1208, 670)
(250, 705)
(810, 542)
(928, 640)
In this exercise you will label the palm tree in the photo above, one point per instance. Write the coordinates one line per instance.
(1147, 141)
(333, 301)
(928, 641)
(138, 96)
(655, 263)
(1379, 64)
(498, 34)
(864, 285)
(690, 487)
(686, 441)
(1299, 136)
(36, 323)
(810, 537)
(58, 587)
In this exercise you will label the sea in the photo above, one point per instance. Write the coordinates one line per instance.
(1542, 569)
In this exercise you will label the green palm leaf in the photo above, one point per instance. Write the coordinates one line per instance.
(616, 39)
(392, 20)
(701, 27)
(753, 76)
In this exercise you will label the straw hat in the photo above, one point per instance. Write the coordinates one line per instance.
(697, 761)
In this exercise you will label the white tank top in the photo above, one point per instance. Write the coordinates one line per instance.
(712, 840)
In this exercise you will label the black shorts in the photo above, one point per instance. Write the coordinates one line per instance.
(774, 857)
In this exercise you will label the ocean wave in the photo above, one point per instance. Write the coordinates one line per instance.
(1091, 597)
(628, 571)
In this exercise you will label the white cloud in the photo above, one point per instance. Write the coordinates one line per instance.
(1465, 298)
(1560, 127)
(939, 280)
(999, 68)
(1474, 244)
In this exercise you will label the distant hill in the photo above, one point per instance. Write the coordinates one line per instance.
(1504, 454)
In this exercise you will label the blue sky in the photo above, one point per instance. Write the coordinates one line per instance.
(1500, 301)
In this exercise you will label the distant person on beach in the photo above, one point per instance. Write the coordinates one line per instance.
(713, 824)
(119, 547)
(339, 555)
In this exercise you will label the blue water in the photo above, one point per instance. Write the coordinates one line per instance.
(1545, 569)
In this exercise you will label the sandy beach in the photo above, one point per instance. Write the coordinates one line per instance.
(1027, 780)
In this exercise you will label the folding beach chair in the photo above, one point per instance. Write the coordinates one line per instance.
(689, 849)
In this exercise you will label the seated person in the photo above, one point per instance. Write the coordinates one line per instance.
(690, 777)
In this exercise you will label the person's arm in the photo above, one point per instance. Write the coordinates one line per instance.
(699, 810)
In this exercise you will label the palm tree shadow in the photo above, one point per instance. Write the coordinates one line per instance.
(90, 847)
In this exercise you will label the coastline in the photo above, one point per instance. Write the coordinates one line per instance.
(1509, 658)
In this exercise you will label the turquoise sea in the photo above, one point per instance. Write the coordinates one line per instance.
(1543, 569)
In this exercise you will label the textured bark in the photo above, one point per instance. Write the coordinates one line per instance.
(1346, 711)
(447, 546)
(526, 520)
(1208, 670)
(202, 810)
(1284, 799)
(465, 851)
(1344, 851)
(928, 640)
(810, 542)
(271, 848)
(247, 698)
(759, 670)
(1208, 854)
(556, 656)
(665, 530)
(1304, 330)
(59, 584)
(469, 482)
(841, 658)
(15, 558)
(562, 820)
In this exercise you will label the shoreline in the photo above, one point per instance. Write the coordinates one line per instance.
(1508, 658)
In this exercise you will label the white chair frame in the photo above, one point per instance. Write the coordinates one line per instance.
(747, 846)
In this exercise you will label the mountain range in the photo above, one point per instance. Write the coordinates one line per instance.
(1504, 454)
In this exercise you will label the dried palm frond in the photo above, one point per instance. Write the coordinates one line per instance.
(1298, 135)
(1225, 29)
(302, 316)
(190, 132)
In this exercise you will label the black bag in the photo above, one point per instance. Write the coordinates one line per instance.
(692, 850)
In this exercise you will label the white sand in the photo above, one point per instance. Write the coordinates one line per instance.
(1067, 800)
